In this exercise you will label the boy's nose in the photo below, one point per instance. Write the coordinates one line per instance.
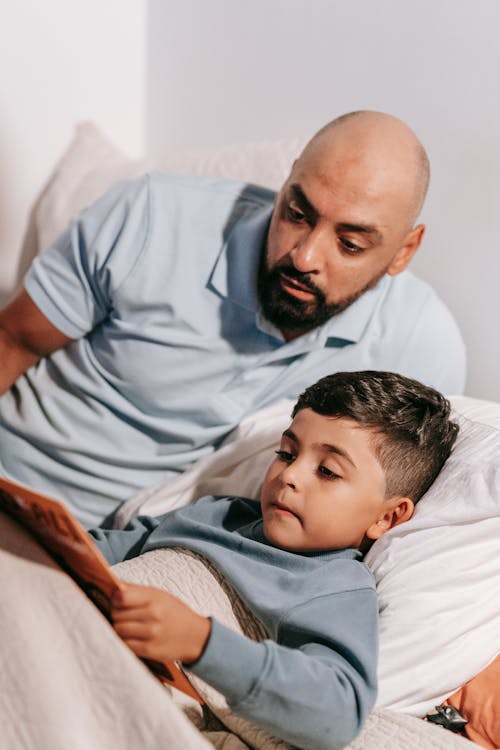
(288, 475)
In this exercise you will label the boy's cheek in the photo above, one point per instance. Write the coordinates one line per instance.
(269, 484)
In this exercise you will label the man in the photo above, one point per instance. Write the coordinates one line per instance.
(174, 307)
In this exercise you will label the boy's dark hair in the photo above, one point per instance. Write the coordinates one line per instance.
(411, 423)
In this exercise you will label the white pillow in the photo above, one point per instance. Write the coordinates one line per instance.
(92, 164)
(89, 166)
(438, 575)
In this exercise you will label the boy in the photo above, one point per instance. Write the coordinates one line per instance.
(361, 450)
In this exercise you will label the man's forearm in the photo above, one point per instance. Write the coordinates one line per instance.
(14, 361)
(26, 336)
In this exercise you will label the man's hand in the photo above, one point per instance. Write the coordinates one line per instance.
(157, 625)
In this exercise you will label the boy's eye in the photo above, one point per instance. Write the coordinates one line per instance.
(327, 473)
(285, 456)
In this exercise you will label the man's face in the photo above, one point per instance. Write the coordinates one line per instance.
(338, 226)
(325, 488)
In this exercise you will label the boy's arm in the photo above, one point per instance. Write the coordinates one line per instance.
(315, 691)
(312, 686)
(316, 686)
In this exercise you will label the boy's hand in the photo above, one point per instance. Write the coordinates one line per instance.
(157, 625)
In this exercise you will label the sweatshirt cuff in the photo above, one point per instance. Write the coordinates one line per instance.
(231, 663)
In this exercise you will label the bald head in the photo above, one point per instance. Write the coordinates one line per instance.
(389, 150)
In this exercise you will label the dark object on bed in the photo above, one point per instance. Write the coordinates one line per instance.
(449, 718)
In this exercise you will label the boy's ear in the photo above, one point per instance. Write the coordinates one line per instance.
(398, 510)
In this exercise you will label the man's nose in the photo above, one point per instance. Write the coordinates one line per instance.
(309, 252)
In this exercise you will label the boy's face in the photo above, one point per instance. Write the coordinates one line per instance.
(326, 488)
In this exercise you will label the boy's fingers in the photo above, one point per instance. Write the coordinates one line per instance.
(131, 595)
(135, 630)
(129, 613)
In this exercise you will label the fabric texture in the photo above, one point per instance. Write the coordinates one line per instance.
(201, 586)
(67, 680)
(80, 685)
(313, 681)
(157, 284)
(438, 578)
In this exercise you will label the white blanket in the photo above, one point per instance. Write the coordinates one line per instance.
(68, 681)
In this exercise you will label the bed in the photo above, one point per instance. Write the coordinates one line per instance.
(438, 576)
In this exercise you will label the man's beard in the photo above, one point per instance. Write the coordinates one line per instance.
(293, 315)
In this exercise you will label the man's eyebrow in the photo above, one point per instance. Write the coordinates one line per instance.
(343, 226)
(302, 199)
(324, 446)
(359, 229)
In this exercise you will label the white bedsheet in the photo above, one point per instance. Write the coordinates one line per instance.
(68, 681)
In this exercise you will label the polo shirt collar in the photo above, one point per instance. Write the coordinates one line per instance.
(234, 276)
(345, 328)
(348, 326)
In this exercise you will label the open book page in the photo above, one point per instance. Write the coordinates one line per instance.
(62, 535)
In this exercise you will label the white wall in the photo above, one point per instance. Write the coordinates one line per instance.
(62, 62)
(229, 70)
(207, 72)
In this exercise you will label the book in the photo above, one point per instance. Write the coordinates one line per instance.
(61, 534)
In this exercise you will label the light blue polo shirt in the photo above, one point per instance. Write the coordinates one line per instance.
(156, 282)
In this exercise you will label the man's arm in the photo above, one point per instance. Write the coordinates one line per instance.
(26, 336)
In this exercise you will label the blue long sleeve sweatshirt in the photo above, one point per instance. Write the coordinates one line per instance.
(313, 682)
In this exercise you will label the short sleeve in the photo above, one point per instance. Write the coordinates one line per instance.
(73, 281)
(418, 336)
(437, 335)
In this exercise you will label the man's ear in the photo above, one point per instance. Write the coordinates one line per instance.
(407, 251)
(398, 510)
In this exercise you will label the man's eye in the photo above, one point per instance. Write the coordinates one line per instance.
(285, 456)
(350, 247)
(327, 473)
(294, 214)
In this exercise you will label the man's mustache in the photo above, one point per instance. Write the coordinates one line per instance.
(302, 278)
